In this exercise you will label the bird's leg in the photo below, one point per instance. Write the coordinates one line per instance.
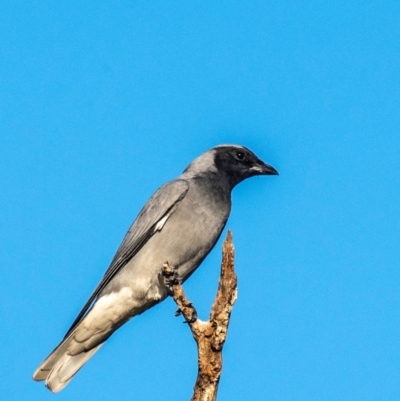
(193, 313)
(173, 284)
(193, 316)
(171, 277)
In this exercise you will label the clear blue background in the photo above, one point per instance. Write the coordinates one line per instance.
(102, 102)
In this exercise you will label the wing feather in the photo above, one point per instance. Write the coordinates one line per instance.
(150, 220)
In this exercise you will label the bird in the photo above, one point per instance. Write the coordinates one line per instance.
(179, 224)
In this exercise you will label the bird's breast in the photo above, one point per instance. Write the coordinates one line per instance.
(193, 229)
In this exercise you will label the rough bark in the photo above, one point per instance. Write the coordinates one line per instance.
(210, 335)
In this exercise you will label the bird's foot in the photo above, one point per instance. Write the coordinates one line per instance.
(171, 277)
(193, 314)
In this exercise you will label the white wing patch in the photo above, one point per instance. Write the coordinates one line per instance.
(161, 223)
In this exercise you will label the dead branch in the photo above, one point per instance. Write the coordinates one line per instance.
(210, 335)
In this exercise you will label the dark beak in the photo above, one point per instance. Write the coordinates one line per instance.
(262, 168)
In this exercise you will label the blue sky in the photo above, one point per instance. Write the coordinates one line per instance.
(102, 102)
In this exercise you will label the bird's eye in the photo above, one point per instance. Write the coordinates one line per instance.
(240, 155)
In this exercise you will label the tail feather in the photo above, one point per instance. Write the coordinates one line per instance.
(65, 369)
(59, 367)
(107, 314)
(47, 365)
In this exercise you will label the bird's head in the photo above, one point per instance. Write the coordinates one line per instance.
(233, 163)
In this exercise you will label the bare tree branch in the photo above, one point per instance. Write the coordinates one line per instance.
(210, 335)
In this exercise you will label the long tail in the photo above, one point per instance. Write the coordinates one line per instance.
(108, 313)
(60, 367)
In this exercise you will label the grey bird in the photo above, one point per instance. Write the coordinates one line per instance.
(180, 224)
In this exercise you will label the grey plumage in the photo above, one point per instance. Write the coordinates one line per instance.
(180, 224)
